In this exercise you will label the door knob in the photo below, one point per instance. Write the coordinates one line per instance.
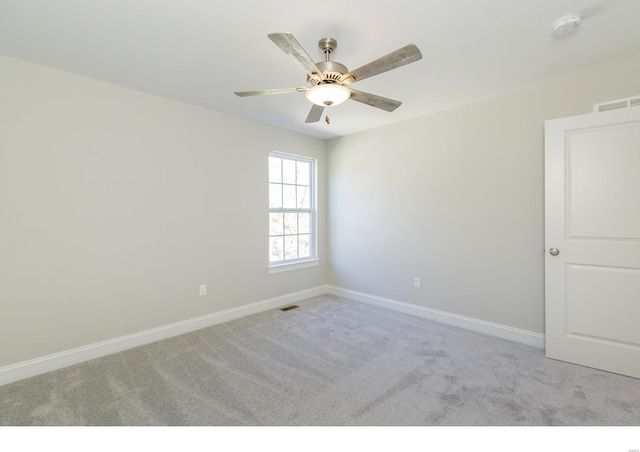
(554, 251)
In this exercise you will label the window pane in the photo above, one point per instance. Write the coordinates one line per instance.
(291, 208)
(289, 196)
(304, 221)
(288, 171)
(276, 224)
(291, 247)
(304, 245)
(303, 197)
(275, 169)
(290, 223)
(276, 249)
(275, 196)
(303, 173)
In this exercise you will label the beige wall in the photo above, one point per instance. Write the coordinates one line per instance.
(116, 205)
(456, 198)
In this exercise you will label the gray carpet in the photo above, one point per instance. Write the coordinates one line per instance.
(328, 362)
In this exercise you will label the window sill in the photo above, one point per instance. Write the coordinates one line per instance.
(293, 266)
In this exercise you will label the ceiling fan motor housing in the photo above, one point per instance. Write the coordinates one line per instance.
(332, 71)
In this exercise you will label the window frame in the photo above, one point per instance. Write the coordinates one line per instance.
(299, 262)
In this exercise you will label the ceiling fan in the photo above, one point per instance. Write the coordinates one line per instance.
(327, 80)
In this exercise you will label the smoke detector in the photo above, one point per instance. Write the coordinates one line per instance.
(567, 24)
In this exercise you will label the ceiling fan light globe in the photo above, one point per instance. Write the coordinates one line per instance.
(328, 95)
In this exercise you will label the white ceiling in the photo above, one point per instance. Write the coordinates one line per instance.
(201, 51)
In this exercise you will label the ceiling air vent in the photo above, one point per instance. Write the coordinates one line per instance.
(616, 104)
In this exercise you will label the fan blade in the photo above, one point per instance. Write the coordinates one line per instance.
(264, 92)
(375, 101)
(407, 54)
(315, 114)
(291, 46)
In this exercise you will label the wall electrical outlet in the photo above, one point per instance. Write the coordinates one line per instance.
(416, 282)
(203, 290)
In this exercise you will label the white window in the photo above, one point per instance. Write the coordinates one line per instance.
(292, 236)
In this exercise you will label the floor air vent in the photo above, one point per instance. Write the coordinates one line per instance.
(289, 308)
(616, 104)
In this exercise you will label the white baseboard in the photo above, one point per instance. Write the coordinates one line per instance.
(37, 366)
(481, 326)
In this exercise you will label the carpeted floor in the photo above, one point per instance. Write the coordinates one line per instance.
(328, 362)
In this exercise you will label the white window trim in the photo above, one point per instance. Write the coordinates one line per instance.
(313, 260)
(279, 268)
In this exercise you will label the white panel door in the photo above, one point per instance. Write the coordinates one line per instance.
(592, 240)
